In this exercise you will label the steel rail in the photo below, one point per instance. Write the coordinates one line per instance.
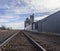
(38, 46)
(7, 40)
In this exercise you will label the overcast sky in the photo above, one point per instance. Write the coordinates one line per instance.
(14, 12)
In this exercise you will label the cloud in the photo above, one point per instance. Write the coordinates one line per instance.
(45, 6)
(3, 20)
(30, 6)
(13, 12)
(15, 25)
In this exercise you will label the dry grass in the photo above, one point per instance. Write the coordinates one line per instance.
(4, 34)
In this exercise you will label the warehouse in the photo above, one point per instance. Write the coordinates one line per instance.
(50, 23)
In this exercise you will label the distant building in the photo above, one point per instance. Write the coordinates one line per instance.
(28, 22)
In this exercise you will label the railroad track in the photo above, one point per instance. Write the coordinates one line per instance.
(35, 44)
(49, 42)
(7, 39)
(20, 41)
(5, 34)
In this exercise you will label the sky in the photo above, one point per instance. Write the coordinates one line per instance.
(14, 12)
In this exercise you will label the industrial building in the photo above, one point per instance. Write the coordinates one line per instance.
(48, 24)
(28, 22)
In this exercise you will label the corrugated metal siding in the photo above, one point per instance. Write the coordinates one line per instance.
(50, 24)
(39, 26)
